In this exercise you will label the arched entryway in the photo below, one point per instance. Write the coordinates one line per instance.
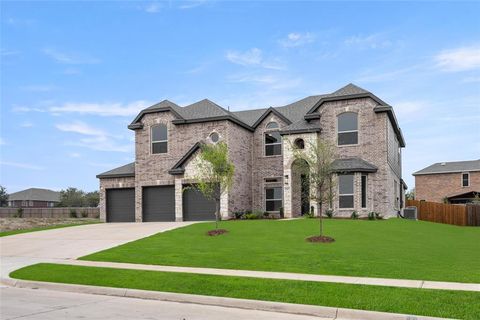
(300, 188)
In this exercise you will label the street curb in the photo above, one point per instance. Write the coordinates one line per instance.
(299, 309)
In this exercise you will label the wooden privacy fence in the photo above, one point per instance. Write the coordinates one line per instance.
(50, 212)
(456, 214)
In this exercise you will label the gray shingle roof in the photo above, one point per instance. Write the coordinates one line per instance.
(450, 167)
(353, 164)
(35, 194)
(349, 89)
(203, 109)
(127, 170)
(301, 126)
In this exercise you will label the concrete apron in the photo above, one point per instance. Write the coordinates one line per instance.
(299, 309)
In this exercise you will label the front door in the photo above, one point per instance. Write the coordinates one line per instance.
(305, 193)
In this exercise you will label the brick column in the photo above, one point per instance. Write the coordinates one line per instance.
(178, 199)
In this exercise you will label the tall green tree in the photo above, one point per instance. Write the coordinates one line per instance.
(72, 197)
(3, 196)
(92, 199)
(410, 195)
(316, 161)
(214, 174)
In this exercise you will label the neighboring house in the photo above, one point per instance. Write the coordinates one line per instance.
(362, 128)
(34, 198)
(457, 182)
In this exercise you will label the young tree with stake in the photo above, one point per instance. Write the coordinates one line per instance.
(214, 174)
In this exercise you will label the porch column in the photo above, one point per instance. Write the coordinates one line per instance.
(178, 199)
(287, 193)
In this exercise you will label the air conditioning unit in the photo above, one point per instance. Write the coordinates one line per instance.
(410, 213)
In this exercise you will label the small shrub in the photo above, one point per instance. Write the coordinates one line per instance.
(309, 215)
(329, 213)
(73, 213)
(84, 214)
(371, 215)
(281, 213)
(238, 214)
(251, 216)
(354, 215)
(378, 216)
(19, 213)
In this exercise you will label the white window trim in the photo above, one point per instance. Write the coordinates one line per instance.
(348, 131)
(272, 144)
(269, 185)
(468, 179)
(347, 194)
(157, 141)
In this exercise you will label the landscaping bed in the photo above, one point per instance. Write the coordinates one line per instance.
(392, 248)
(437, 303)
(10, 226)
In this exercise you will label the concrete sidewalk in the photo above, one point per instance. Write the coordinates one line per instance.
(457, 286)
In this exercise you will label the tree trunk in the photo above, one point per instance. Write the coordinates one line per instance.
(217, 212)
(319, 206)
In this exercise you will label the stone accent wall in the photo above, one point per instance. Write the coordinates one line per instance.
(112, 183)
(435, 187)
(262, 166)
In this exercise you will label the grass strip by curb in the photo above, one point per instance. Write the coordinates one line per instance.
(437, 303)
(57, 226)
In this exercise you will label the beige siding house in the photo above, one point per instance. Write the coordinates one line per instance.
(362, 127)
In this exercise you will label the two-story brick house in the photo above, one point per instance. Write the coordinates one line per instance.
(453, 182)
(363, 128)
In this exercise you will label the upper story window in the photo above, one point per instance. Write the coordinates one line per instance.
(299, 143)
(159, 138)
(465, 179)
(345, 191)
(347, 128)
(273, 140)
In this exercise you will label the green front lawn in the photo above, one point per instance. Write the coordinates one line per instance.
(56, 226)
(390, 249)
(438, 303)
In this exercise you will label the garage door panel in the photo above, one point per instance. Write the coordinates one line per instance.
(120, 205)
(159, 203)
(196, 207)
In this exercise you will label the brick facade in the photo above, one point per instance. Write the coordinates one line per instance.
(435, 187)
(247, 152)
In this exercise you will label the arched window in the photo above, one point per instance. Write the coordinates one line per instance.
(214, 137)
(272, 125)
(347, 128)
(273, 140)
(159, 138)
(299, 143)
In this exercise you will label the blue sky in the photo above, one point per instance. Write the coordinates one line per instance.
(74, 74)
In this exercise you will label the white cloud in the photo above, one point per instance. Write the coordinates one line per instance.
(102, 109)
(21, 165)
(95, 139)
(153, 7)
(21, 109)
(26, 124)
(372, 41)
(69, 58)
(39, 88)
(81, 128)
(459, 59)
(253, 57)
(272, 82)
(247, 58)
(295, 39)
(74, 155)
(192, 4)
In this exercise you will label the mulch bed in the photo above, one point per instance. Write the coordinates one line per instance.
(216, 232)
(323, 239)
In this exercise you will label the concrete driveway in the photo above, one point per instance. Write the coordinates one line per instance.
(72, 242)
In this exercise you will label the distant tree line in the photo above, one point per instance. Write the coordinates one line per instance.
(73, 197)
